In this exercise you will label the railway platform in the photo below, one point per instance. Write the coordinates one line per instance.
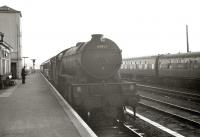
(35, 109)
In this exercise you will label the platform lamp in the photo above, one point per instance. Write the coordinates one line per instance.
(24, 60)
(33, 64)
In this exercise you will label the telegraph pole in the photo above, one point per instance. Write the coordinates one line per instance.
(187, 38)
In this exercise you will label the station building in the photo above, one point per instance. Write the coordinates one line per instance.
(10, 25)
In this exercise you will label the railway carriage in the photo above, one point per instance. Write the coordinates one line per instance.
(180, 65)
(181, 69)
(87, 76)
(139, 68)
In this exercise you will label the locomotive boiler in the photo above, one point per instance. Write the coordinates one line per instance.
(97, 59)
(87, 76)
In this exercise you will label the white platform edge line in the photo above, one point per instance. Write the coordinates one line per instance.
(160, 126)
(82, 127)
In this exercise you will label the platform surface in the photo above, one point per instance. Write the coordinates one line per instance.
(31, 110)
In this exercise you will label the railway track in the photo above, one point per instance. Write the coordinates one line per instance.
(134, 127)
(169, 121)
(178, 110)
(182, 113)
(135, 131)
(151, 128)
(178, 94)
(118, 130)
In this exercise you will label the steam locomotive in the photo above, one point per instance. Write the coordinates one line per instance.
(182, 69)
(87, 76)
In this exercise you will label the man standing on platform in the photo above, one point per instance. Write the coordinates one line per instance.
(23, 74)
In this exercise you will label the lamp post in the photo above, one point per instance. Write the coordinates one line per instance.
(24, 59)
(33, 64)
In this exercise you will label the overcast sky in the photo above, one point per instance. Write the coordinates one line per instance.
(139, 27)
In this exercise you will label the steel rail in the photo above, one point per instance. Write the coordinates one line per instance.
(190, 96)
(195, 123)
(171, 105)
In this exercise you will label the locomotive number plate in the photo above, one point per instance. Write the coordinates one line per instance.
(102, 46)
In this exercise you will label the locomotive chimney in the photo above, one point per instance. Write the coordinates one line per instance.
(2, 35)
(97, 37)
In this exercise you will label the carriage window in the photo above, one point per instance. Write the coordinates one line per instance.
(196, 66)
(198, 60)
(140, 66)
(183, 60)
(125, 66)
(134, 66)
(164, 66)
(152, 66)
(145, 66)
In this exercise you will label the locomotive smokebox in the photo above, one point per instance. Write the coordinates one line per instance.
(97, 37)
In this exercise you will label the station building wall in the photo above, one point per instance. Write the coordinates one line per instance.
(10, 25)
